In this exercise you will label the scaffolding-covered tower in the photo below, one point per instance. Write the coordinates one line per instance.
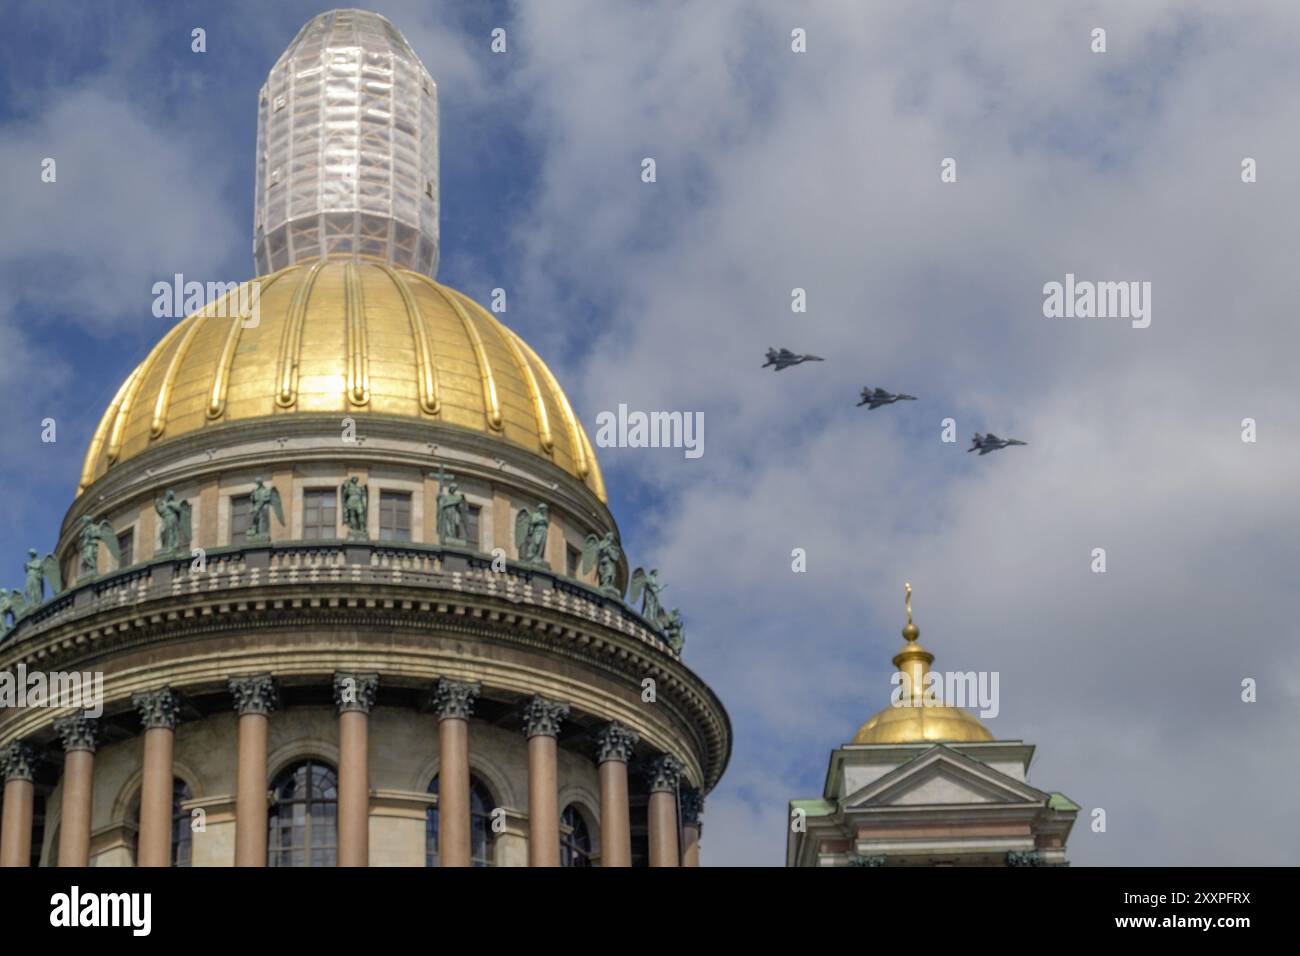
(347, 148)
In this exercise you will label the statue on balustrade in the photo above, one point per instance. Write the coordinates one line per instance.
(453, 510)
(92, 533)
(12, 607)
(262, 502)
(531, 529)
(674, 630)
(652, 607)
(39, 572)
(355, 498)
(603, 554)
(177, 522)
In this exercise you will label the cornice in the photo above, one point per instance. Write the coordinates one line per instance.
(897, 755)
(372, 563)
(414, 592)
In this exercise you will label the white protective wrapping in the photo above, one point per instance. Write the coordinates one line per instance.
(347, 148)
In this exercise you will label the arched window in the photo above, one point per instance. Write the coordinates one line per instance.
(480, 825)
(182, 834)
(303, 820)
(575, 841)
(132, 829)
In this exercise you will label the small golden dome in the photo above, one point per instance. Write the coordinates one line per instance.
(920, 721)
(347, 336)
(904, 725)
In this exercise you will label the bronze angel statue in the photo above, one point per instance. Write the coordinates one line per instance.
(12, 607)
(674, 630)
(92, 533)
(177, 521)
(652, 608)
(531, 528)
(262, 502)
(355, 499)
(602, 554)
(453, 510)
(39, 572)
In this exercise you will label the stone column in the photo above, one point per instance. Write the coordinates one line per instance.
(255, 698)
(18, 764)
(664, 773)
(159, 712)
(616, 744)
(78, 735)
(354, 695)
(542, 720)
(692, 810)
(454, 702)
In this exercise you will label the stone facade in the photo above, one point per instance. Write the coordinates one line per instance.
(930, 804)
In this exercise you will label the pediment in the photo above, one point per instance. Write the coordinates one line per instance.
(942, 777)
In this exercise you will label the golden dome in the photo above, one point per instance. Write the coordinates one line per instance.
(347, 336)
(905, 725)
(919, 722)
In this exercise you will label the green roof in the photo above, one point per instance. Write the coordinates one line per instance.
(814, 808)
(1059, 801)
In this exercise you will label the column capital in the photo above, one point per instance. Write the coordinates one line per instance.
(454, 699)
(78, 732)
(159, 709)
(18, 762)
(664, 773)
(691, 806)
(543, 717)
(616, 742)
(355, 692)
(254, 694)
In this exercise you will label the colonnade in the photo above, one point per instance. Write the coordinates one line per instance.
(256, 697)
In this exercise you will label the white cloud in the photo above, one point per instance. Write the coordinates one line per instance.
(133, 202)
(821, 171)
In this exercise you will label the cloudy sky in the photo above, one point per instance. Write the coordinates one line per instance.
(821, 171)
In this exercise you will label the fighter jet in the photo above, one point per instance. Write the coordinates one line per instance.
(784, 358)
(990, 442)
(874, 398)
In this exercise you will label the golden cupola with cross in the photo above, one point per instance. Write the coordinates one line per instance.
(918, 719)
(924, 783)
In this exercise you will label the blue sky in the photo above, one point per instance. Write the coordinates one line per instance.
(818, 171)
(73, 59)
